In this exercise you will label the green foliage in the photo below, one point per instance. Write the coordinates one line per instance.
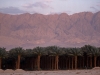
(86, 48)
(28, 53)
(91, 50)
(2, 52)
(50, 50)
(75, 52)
(94, 51)
(39, 51)
(13, 53)
(54, 50)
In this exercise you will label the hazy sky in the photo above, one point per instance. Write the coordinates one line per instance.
(48, 6)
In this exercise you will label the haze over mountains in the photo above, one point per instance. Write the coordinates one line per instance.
(31, 30)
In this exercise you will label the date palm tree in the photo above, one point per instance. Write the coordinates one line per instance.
(2, 54)
(39, 51)
(56, 51)
(75, 52)
(95, 52)
(16, 53)
(92, 51)
(86, 49)
(66, 50)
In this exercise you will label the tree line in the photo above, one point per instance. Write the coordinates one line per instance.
(50, 58)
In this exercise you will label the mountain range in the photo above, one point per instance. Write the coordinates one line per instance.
(31, 30)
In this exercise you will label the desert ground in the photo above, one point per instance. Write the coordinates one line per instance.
(94, 71)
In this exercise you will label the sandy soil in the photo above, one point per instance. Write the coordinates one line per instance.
(94, 71)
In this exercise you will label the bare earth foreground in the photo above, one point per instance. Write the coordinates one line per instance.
(94, 71)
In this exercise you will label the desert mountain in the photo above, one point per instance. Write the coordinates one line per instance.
(31, 30)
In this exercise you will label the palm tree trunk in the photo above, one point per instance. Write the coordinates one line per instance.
(87, 61)
(38, 62)
(19, 61)
(95, 61)
(66, 63)
(83, 62)
(0, 62)
(69, 63)
(32, 63)
(91, 62)
(57, 57)
(52, 62)
(72, 63)
(55, 62)
(75, 62)
(80, 61)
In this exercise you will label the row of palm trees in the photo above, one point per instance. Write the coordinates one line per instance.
(50, 58)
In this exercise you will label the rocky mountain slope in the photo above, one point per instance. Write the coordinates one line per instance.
(31, 30)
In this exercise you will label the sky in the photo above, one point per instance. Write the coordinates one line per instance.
(49, 6)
